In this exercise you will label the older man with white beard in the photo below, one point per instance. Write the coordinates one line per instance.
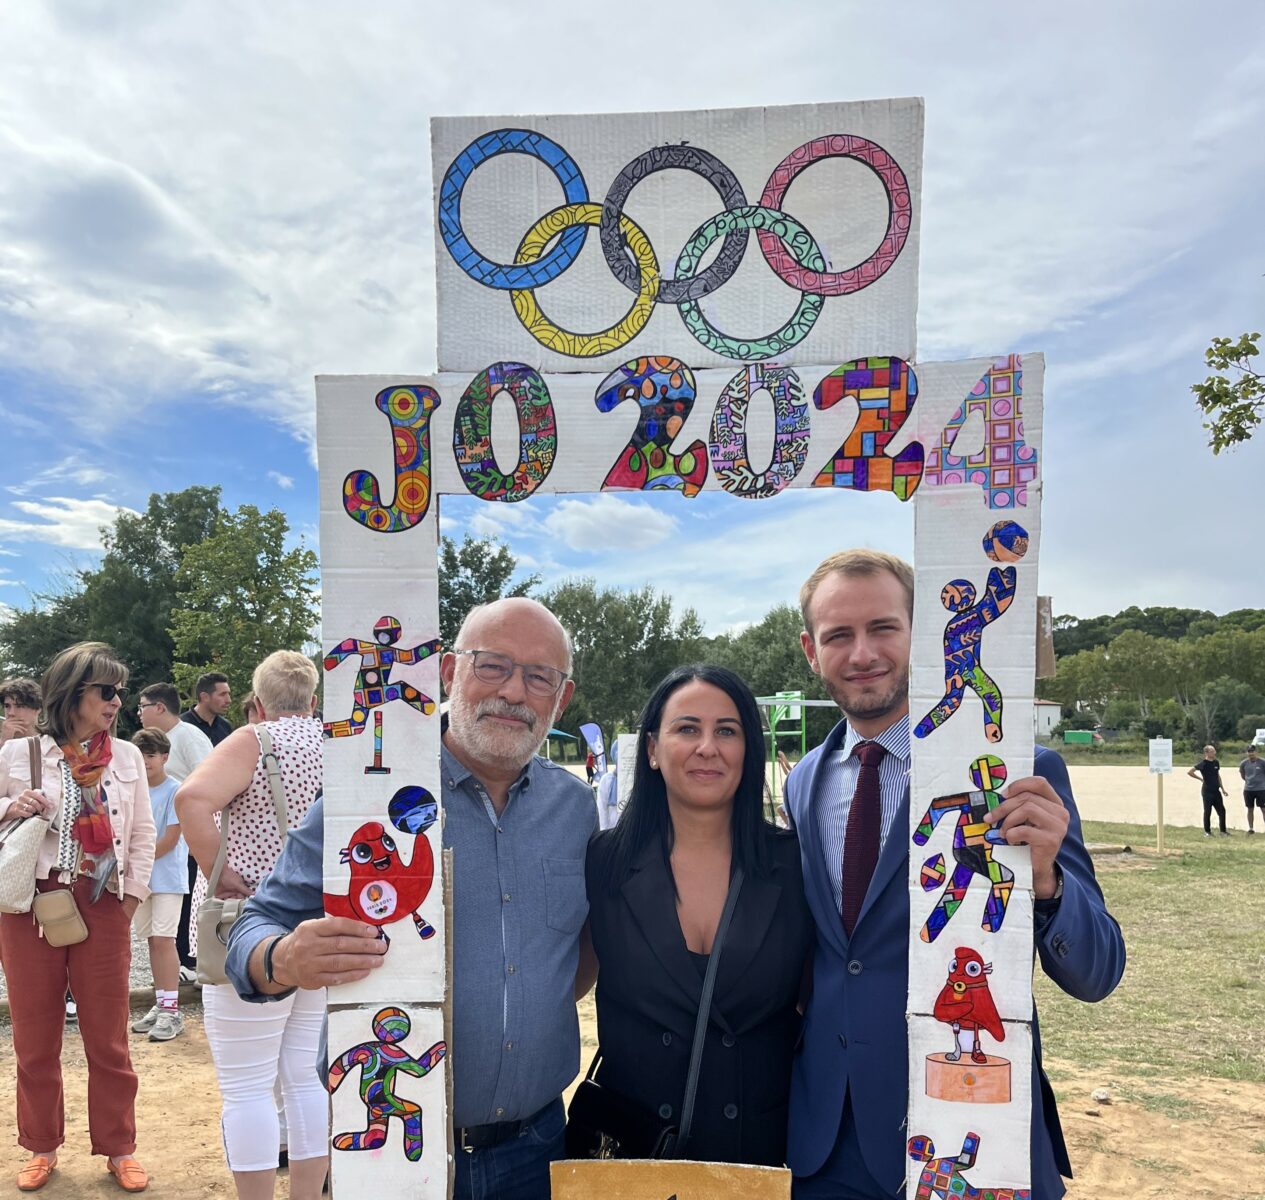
(518, 827)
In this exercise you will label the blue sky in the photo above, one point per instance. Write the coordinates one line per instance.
(203, 206)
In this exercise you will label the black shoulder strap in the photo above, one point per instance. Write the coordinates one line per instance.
(705, 1009)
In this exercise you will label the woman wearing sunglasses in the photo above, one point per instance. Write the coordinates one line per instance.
(100, 848)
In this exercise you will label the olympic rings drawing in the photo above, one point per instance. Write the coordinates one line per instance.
(480, 269)
(805, 252)
(585, 345)
(662, 158)
(787, 247)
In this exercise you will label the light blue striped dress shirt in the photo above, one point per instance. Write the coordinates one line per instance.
(837, 783)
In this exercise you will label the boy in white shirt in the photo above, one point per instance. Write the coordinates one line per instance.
(158, 917)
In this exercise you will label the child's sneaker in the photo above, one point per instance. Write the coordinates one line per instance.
(167, 1025)
(146, 1023)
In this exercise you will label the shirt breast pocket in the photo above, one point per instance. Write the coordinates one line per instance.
(566, 904)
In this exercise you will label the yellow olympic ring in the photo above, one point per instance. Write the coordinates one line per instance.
(585, 345)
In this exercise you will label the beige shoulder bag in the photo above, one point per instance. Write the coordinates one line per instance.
(216, 916)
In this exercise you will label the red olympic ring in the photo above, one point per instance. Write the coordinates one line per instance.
(899, 207)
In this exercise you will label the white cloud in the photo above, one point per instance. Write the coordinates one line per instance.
(62, 521)
(282, 481)
(607, 521)
(62, 472)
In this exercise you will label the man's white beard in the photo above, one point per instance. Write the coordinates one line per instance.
(492, 743)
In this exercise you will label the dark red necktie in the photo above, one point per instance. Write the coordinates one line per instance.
(860, 845)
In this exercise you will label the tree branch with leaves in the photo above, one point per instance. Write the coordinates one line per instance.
(1234, 396)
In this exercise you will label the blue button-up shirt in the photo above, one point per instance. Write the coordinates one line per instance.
(518, 907)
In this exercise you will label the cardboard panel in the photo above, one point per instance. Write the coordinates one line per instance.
(614, 1180)
(977, 537)
(688, 193)
(390, 1112)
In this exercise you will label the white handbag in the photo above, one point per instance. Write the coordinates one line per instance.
(20, 841)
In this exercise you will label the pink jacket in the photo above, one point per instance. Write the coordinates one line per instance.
(126, 790)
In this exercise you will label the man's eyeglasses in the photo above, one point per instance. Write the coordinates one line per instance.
(490, 667)
(109, 691)
(140, 704)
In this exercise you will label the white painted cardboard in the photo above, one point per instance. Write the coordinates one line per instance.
(840, 202)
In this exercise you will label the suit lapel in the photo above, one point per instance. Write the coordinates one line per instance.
(817, 875)
(752, 918)
(895, 857)
(653, 906)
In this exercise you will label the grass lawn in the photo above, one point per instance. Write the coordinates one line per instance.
(1192, 1001)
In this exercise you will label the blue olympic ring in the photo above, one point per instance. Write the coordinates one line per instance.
(505, 276)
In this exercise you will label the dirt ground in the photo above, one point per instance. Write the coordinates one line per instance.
(1156, 1140)
(1144, 1145)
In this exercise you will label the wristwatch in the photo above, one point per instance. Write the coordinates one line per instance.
(268, 975)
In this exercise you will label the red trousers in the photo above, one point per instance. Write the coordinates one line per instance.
(96, 973)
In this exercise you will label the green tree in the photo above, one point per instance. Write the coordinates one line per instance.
(1218, 706)
(1142, 667)
(243, 595)
(625, 642)
(769, 657)
(1246, 729)
(1233, 396)
(476, 572)
(127, 601)
(31, 636)
(1082, 681)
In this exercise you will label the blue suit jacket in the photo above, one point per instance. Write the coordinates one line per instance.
(854, 1035)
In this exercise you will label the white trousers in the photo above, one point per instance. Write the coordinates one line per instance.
(254, 1046)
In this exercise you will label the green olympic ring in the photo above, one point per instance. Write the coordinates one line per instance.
(803, 248)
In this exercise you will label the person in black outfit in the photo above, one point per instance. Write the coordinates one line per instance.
(657, 884)
(212, 697)
(1210, 771)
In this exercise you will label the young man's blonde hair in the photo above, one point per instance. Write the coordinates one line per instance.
(284, 682)
(856, 563)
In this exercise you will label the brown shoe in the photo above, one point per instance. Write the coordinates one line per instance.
(129, 1174)
(35, 1174)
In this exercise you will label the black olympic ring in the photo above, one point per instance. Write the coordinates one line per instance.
(663, 158)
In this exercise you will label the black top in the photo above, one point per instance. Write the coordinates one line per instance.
(648, 988)
(217, 730)
(1210, 769)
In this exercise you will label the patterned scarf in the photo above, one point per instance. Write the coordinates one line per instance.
(92, 828)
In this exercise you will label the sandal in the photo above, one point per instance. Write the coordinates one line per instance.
(129, 1174)
(35, 1174)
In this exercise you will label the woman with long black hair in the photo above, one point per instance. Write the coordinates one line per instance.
(658, 884)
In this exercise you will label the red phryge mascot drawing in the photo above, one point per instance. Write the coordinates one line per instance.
(966, 1003)
(383, 886)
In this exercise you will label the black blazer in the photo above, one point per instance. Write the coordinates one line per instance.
(648, 989)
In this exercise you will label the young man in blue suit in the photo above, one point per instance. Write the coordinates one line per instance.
(849, 1090)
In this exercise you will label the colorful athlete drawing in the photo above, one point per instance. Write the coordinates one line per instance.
(943, 1178)
(973, 843)
(962, 637)
(373, 683)
(380, 1062)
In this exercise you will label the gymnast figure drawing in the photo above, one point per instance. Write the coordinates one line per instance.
(373, 683)
(963, 635)
(380, 1062)
(973, 843)
(943, 1178)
